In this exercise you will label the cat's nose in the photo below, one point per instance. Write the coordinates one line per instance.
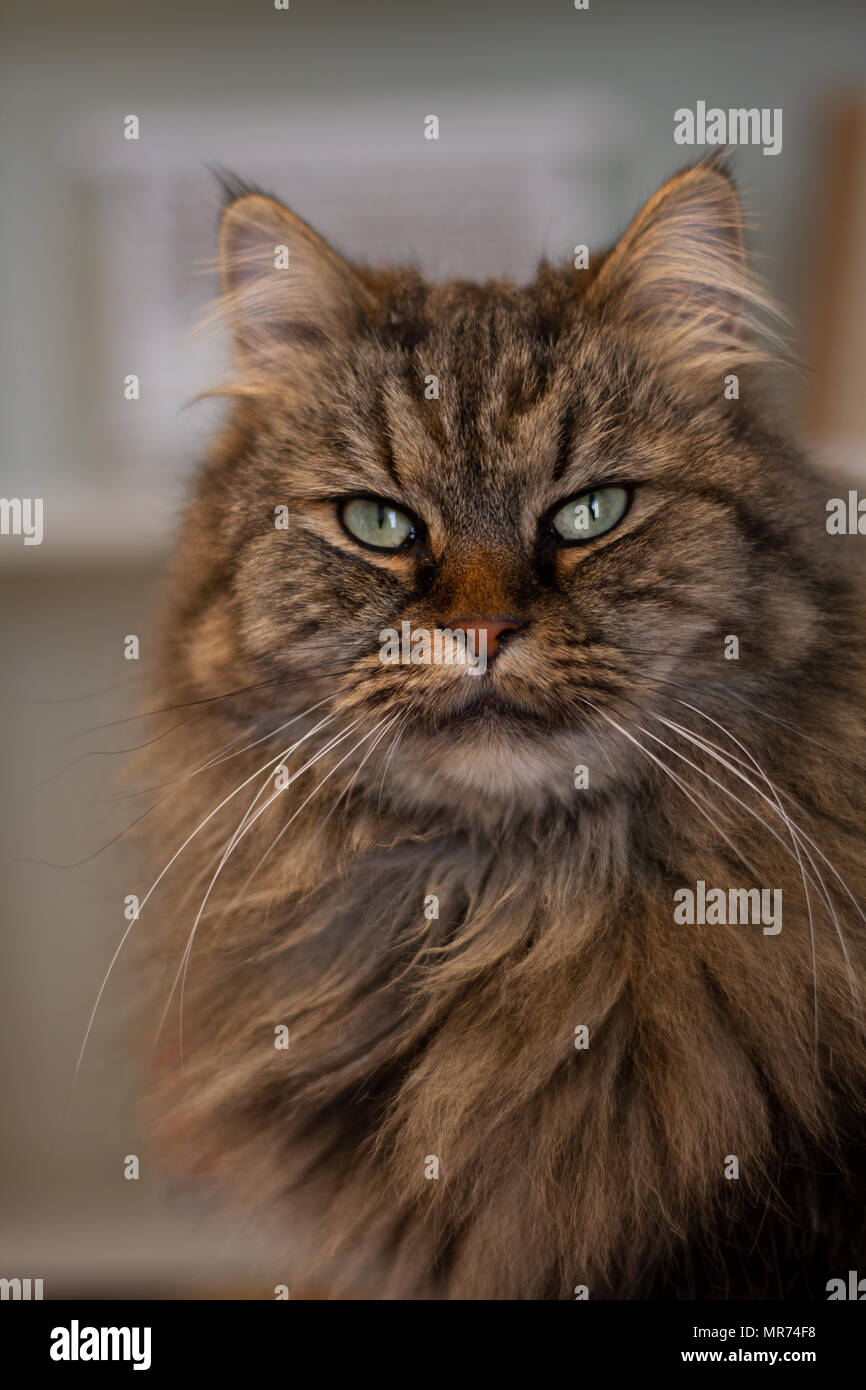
(496, 632)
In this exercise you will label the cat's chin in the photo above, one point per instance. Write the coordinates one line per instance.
(497, 763)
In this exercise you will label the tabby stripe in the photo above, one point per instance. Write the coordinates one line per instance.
(564, 442)
(384, 431)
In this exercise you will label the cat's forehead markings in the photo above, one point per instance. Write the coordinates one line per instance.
(502, 394)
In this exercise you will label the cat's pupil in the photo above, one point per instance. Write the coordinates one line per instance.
(594, 506)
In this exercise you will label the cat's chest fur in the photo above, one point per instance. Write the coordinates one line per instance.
(512, 1036)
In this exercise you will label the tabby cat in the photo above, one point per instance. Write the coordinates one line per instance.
(428, 1000)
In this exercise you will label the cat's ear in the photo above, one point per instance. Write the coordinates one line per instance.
(679, 276)
(281, 283)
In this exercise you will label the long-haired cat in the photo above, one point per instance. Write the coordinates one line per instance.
(422, 942)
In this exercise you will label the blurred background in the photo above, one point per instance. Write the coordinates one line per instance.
(555, 125)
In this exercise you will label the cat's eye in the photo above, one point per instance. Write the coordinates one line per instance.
(376, 523)
(591, 514)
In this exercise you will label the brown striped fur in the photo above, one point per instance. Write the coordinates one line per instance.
(453, 1036)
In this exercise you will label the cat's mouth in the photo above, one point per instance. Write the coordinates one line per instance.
(490, 706)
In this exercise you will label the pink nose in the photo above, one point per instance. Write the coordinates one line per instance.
(492, 629)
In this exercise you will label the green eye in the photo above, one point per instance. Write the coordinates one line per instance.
(378, 524)
(591, 514)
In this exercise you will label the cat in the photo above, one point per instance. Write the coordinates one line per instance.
(425, 1002)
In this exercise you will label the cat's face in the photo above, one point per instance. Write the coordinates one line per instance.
(558, 471)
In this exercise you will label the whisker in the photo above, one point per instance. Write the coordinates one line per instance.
(794, 841)
(247, 881)
(709, 685)
(690, 793)
(395, 741)
(173, 781)
(241, 831)
(161, 876)
(717, 753)
(722, 788)
(220, 857)
(750, 811)
(207, 700)
(111, 752)
(820, 884)
(803, 836)
(358, 769)
(76, 863)
(224, 756)
(74, 699)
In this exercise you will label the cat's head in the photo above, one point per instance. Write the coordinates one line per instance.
(570, 469)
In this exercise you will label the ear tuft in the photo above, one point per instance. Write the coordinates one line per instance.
(679, 276)
(282, 285)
